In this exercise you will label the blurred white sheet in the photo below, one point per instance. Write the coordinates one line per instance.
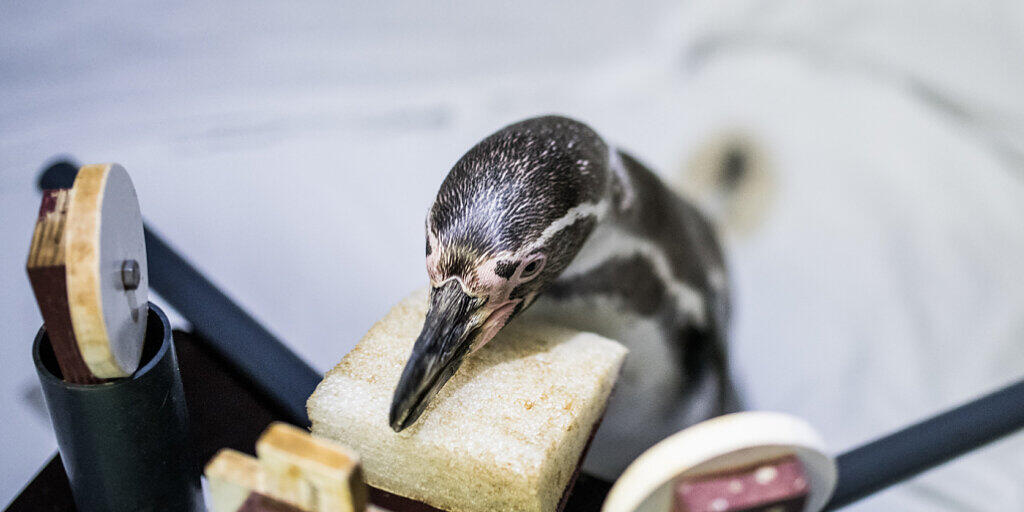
(890, 271)
(885, 285)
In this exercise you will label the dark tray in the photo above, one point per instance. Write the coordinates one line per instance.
(227, 411)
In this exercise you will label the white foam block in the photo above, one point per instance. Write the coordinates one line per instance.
(505, 433)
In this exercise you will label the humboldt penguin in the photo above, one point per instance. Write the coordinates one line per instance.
(545, 215)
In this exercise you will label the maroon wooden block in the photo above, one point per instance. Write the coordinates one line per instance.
(257, 502)
(47, 274)
(778, 485)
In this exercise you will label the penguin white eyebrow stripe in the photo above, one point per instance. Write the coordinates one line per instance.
(625, 245)
(574, 214)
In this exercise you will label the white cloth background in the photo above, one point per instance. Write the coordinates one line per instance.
(291, 153)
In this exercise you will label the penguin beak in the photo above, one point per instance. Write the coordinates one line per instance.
(453, 321)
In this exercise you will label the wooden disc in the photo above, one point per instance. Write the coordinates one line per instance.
(730, 441)
(104, 230)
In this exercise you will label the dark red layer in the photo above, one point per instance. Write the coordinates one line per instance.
(257, 502)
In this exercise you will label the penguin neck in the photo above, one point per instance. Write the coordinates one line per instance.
(641, 217)
(613, 209)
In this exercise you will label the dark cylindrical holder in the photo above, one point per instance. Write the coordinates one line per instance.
(125, 443)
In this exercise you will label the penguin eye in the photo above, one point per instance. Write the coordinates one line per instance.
(532, 267)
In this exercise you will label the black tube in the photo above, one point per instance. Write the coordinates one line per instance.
(125, 443)
(894, 458)
(236, 336)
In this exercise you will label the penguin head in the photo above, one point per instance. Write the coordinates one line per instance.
(508, 219)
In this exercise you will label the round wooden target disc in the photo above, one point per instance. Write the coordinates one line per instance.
(716, 445)
(104, 237)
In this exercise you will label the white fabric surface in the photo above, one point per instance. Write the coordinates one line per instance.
(889, 273)
(292, 153)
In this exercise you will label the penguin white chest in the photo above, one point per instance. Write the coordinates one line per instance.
(645, 405)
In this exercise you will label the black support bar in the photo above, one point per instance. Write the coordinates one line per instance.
(894, 458)
(269, 364)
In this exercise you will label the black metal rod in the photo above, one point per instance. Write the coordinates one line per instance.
(238, 337)
(894, 458)
(271, 366)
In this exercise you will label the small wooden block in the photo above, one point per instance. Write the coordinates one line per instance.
(46, 272)
(313, 474)
(233, 476)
